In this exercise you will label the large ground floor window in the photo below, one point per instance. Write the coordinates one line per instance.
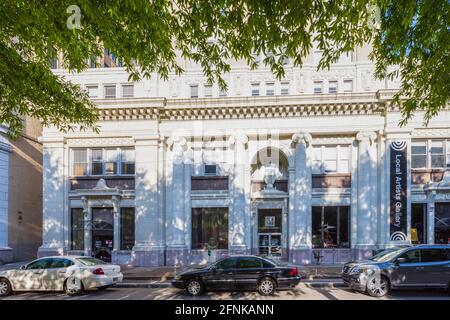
(126, 228)
(442, 223)
(77, 226)
(419, 223)
(210, 228)
(330, 226)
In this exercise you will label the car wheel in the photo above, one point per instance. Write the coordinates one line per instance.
(194, 287)
(73, 286)
(266, 287)
(378, 286)
(5, 287)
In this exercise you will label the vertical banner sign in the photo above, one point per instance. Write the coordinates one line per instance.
(398, 191)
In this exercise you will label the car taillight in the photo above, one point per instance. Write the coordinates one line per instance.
(293, 272)
(98, 271)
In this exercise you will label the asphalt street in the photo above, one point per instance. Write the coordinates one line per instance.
(301, 292)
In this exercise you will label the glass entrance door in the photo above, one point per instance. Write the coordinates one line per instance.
(269, 232)
(102, 233)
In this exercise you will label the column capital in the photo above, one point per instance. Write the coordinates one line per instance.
(366, 136)
(303, 138)
(238, 138)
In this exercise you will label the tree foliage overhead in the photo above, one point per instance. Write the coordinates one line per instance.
(148, 35)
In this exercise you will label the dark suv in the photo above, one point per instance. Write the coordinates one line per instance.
(422, 266)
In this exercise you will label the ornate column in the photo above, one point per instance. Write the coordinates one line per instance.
(430, 216)
(148, 249)
(87, 214)
(116, 215)
(54, 201)
(366, 228)
(237, 218)
(176, 228)
(300, 194)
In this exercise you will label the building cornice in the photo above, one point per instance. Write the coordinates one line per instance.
(308, 105)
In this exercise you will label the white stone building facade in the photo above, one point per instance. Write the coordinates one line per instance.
(309, 168)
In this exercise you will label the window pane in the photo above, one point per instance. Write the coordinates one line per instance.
(128, 91)
(208, 90)
(317, 86)
(329, 227)
(412, 256)
(344, 225)
(97, 168)
(418, 147)
(344, 152)
(437, 147)
(80, 169)
(77, 222)
(255, 89)
(92, 91)
(433, 255)
(418, 223)
(80, 156)
(332, 86)
(110, 91)
(442, 223)
(194, 91)
(343, 166)
(110, 168)
(284, 88)
(127, 224)
(97, 154)
(418, 161)
(316, 227)
(111, 155)
(246, 263)
(210, 228)
(127, 155)
(270, 91)
(348, 85)
(127, 168)
(329, 153)
(437, 161)
(330, 166)
(229, 263)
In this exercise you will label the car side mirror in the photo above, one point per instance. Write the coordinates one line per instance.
(23, 267)
(401, 260)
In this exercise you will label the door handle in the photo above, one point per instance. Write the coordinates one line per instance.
(419, 268)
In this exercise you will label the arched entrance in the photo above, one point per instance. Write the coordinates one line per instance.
(269, 174)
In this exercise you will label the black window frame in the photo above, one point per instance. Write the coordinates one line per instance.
(199, 221)
(339, 226)
(79, 229)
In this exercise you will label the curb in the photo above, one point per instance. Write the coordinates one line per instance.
(156, 284)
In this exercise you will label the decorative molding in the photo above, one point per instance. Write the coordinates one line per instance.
(101, 142)
(431, 133)
(366, 137)
(304, 138)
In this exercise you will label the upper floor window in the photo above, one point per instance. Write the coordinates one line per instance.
(318, 86)
(222, 92)
(430, 154)
(332, 86)
(331, 159)
(348, 86)
(270, 91)
(255, 89)
(127, 90)
(208, 91)
(284, 88)
(110, 91)
(194, 90)
(210, 170)
(92, 91)
(103, 161)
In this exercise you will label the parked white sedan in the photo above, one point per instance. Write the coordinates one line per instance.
(70, 274)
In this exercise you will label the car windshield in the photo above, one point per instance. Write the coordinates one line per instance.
(91, 261)
(386, 255)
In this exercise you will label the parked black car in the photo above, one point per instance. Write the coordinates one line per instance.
(419, 267)
(239, 273)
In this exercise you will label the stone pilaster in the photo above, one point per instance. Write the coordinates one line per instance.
(117, 227)
(237, 218)
(148, 248)
(54, 202)
(300, 193)
(176, 225)
(366, 233)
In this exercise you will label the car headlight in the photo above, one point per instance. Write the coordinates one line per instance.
(362, 270)
(178, 277)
